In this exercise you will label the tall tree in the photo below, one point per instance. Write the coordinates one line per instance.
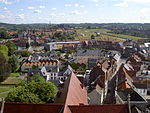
(3, 34)
(4, 51)
(5, 68)
(27, 45)
(13, 61)
(11, 47)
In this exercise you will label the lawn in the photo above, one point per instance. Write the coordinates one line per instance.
(104, 34)
(11, 81)
(15, 74)
(3, 95)
(5, 89)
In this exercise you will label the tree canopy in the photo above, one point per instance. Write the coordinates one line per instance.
(4, 51)
(13, 61)
(33, 92)
(11, 47)
(37, 78)
(5, 68)
(25, 53)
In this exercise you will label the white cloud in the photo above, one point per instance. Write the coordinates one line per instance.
(41, 7)
(5, 2)
(75, 12)
(97, 5)
(85, 12)
(37, 11)
(139, 1)
(53, 8)
(21, 9)
(76, 5)
(145, 11)
(52, 14)
(30, 7)
(68, 5)
(94, 1)
(20, 16)
(2, 16)
(5, 9)
(123, 4)
(62, 14)
(82, 6)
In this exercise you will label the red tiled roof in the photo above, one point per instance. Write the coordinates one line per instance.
(73, 93)
(99, 109)
(32, 108)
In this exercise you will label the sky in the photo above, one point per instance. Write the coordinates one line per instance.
(74, 11)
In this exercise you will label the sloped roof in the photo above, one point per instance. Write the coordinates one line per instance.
(73, 93)
(32, 108)
(134, 95)
(99, 108)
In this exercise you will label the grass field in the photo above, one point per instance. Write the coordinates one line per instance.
(104, 34)
(15, 74)
(5, 89)
(12, 81)
(3, 95)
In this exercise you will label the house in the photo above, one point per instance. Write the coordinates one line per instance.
(71, 98)
(100, 75)
(126, 87)
(50, 73)
(72, 93)
(106, 43)
(53, 73)
(136, 99)
(95, 96)
(128, 51)
(38, 61)
(142, 89)
(60, 45)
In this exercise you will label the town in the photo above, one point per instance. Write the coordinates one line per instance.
(74, 70)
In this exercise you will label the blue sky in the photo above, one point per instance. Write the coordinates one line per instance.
(74, 11)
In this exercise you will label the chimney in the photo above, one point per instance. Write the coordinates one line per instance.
(129, 104)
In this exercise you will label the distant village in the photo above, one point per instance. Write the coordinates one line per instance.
(92, 75)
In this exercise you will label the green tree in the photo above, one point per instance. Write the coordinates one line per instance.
(74, 66)
(11, 47)
(35, 67)
(5, 68)
(46, 91)
(27, 45)
(33, 92)
(23, 95)
(37, 78)
(92, 37)
(3, 34)
(4, 51)
(13, 61)
(25, 53)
